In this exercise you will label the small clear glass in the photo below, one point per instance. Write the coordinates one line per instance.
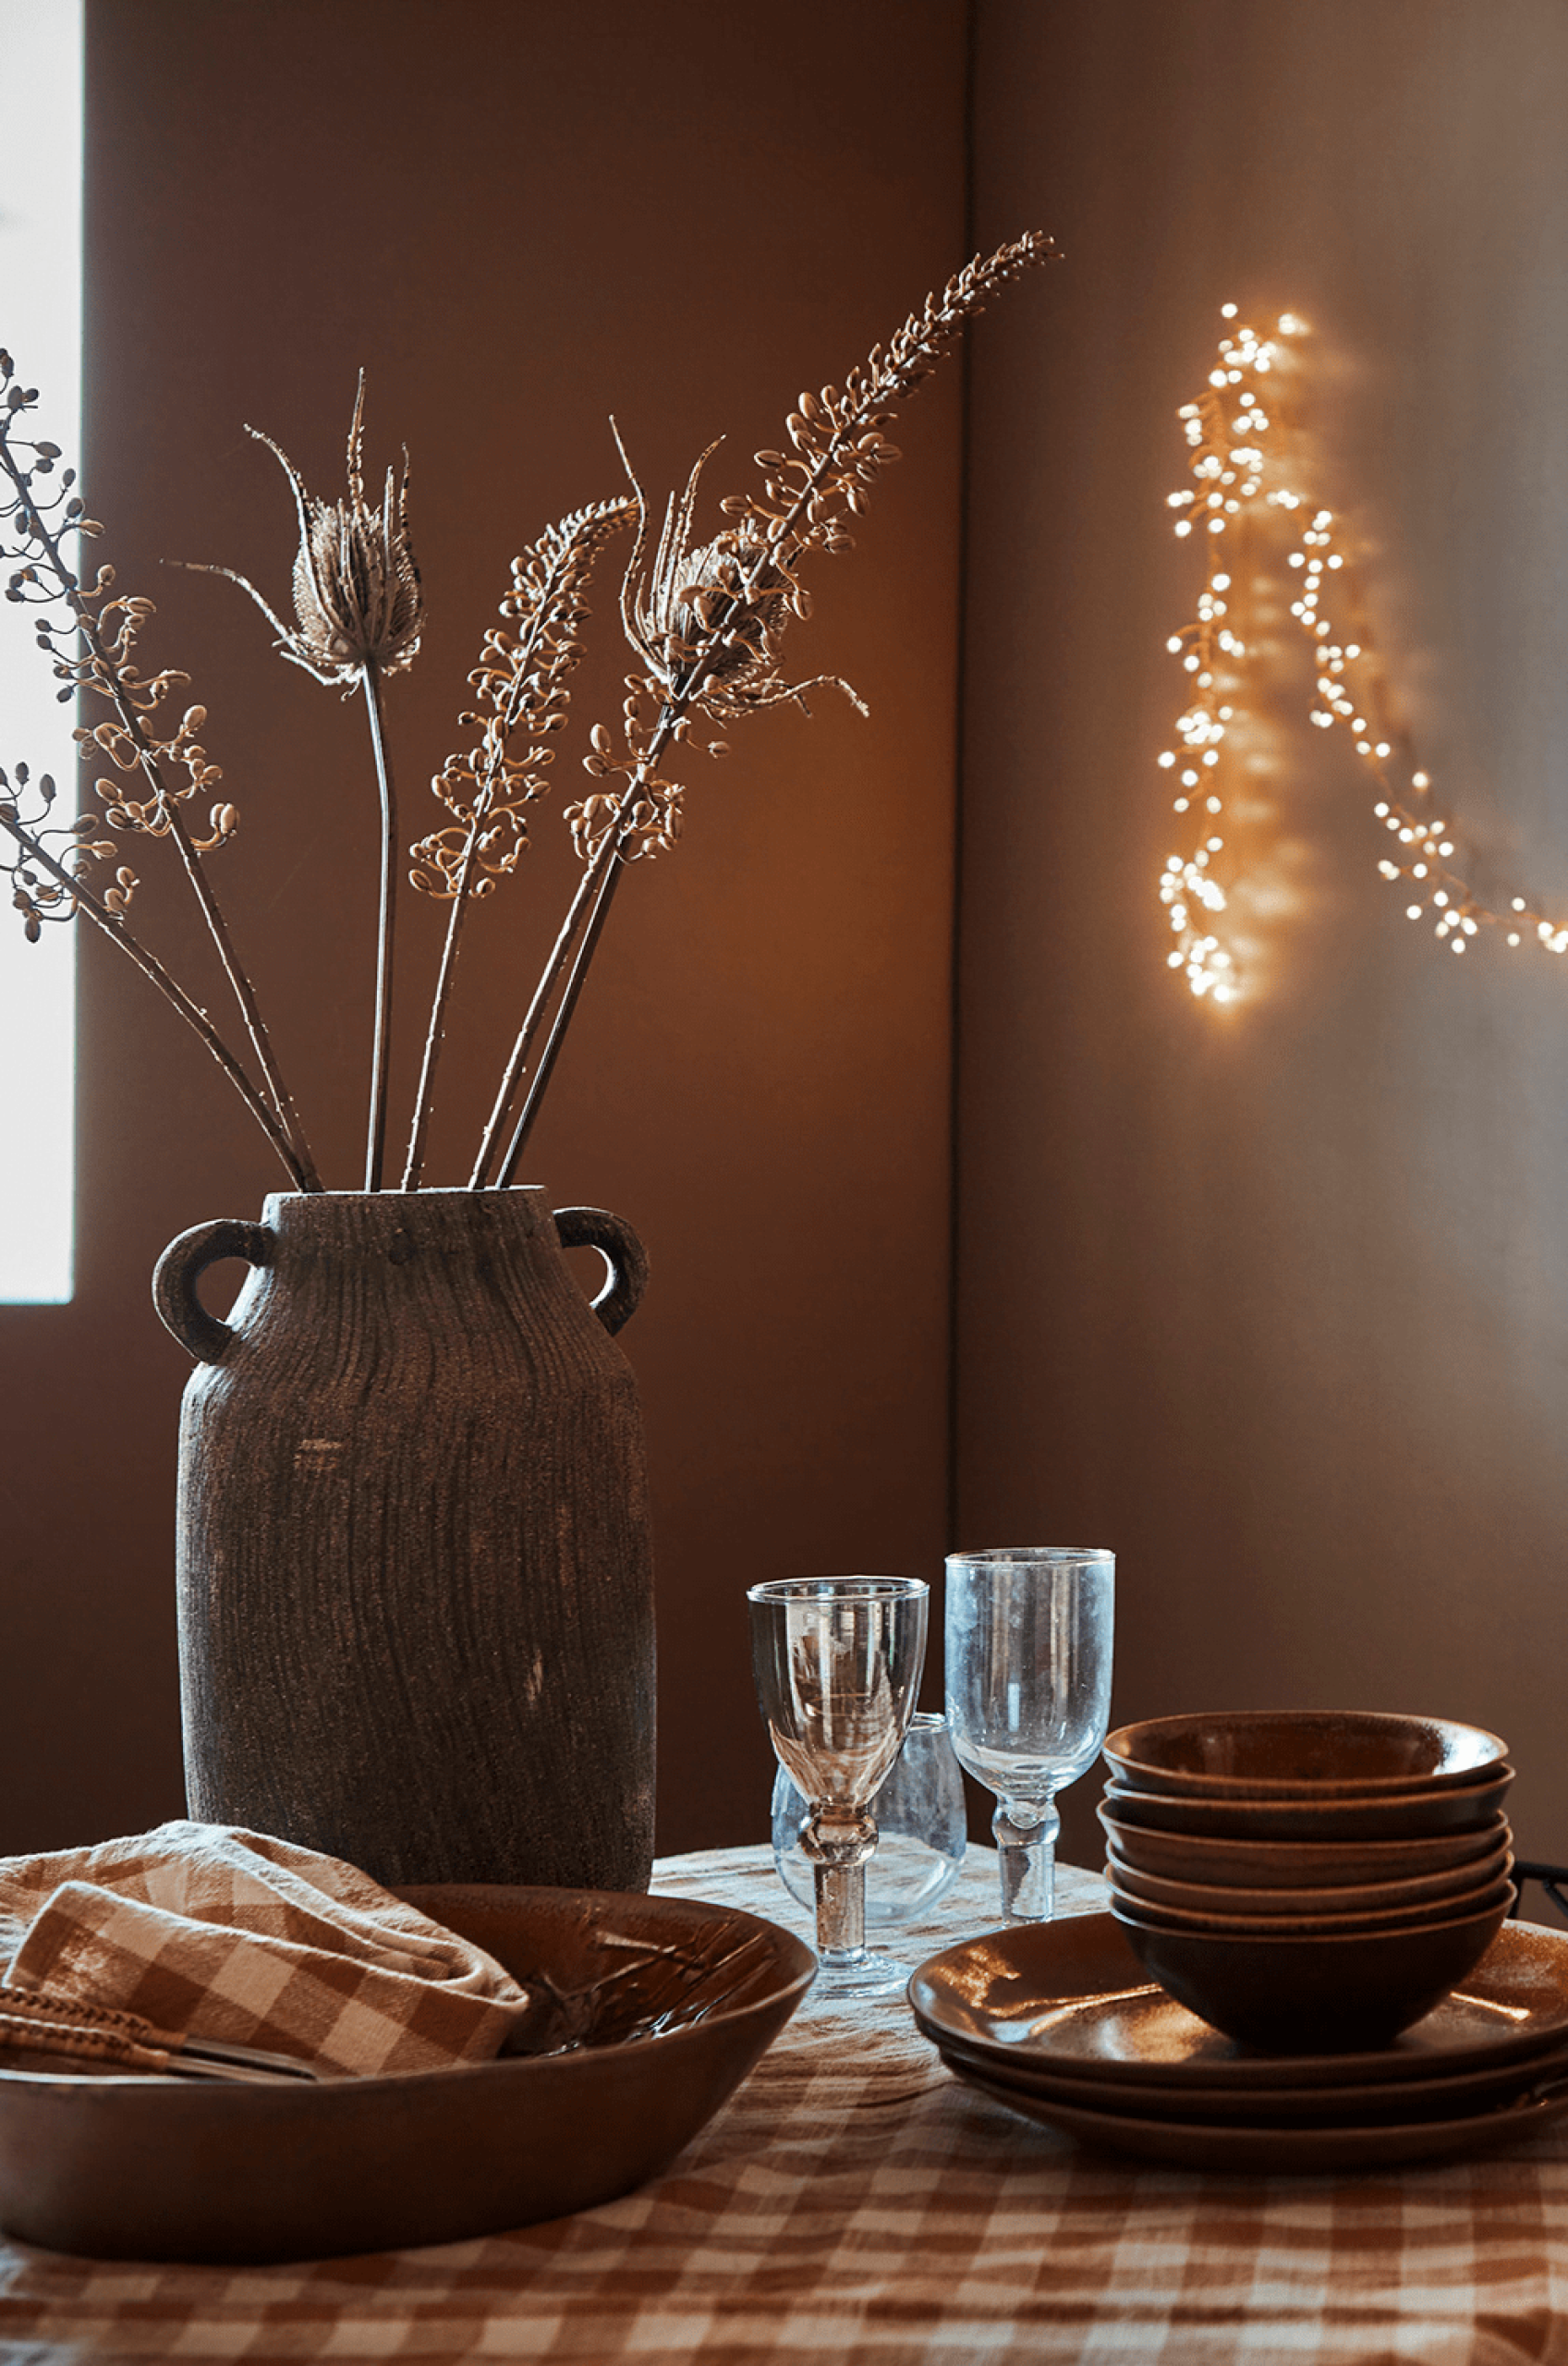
(1028, 1641)
(837, 1663)
(920, 1833)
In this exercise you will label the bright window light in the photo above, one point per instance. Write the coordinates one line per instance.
(41, 157)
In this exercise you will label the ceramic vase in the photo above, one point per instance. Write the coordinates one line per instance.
(414, 1563)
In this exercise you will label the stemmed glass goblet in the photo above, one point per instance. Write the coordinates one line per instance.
(837, 1662)
(1028, 1636)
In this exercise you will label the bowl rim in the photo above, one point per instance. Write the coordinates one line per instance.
(1122, 1830)
(1452, 1880)
(1496, 1777)
(1376, 1922)
(1427, 1931)
(1122, 1752)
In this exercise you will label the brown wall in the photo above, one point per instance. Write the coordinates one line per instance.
(1275, 1301)
(1275, 1306)
(519, 217)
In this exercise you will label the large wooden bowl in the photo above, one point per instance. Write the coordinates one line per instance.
(137, 2166)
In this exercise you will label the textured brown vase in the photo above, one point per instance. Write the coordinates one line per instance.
(416, 1607)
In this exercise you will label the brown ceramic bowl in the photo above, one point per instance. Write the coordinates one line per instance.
(1405, 1815)
(1475, 1900)
(1297, 1865)
(1312, 1996)
(1300, 1753)
(1427, 1890)
(138, 2166)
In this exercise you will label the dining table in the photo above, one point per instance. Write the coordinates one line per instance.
(855, 2202)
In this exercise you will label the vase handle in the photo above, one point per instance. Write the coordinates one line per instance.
(624, 1258)
(181, 1266)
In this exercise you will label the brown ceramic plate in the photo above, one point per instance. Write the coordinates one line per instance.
(135, 2167)
(1354, 2104)
(1188, 1856)
(1290, 2152)
(1072, 1995)
(1392, 1816)
(1354, 1897)
(1296, 1753)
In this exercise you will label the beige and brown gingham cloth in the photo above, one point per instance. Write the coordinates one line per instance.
(199, 1929)
(854, 2205)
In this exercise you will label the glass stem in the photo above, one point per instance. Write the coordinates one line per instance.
(1025, 1834)
(841, 1913)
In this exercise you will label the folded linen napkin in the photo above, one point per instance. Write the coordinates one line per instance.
(206, 1930)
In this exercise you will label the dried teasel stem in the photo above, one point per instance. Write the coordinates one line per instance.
(521, 681)
(381, 1053)
(82, 898)
(360, 615)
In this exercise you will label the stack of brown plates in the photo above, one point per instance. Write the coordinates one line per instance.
(1307, 1880)
(1059, 2021)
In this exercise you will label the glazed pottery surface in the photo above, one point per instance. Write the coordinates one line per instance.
(1361, 1897)
(1405, 1815)
(1298, 1864)
(1320, 1754)
(1072, 1995)
(415, 1572)
(1478, 1899)
(1315, 1994)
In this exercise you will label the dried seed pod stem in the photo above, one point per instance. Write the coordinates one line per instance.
(68, 891)
(93, 650)
(521, 680)
(380, 1037)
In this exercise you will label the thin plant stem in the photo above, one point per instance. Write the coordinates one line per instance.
(560, 954)
(560, 1023)
(555, 571)
(375, 1137)
(413, 1168)
(152, 969)
(244, 995)
(606, 860)
(107, 674)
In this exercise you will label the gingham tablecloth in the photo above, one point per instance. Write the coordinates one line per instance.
(855, 2203)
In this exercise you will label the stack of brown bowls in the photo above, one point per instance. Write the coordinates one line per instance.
(1307, 1880)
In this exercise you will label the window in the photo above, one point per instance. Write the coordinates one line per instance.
(40, 161)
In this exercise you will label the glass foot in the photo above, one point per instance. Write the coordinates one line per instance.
(869, 1974)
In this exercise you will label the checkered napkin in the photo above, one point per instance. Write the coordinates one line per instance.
(204, 1931)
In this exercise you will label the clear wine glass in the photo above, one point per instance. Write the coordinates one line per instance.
(921, 1830)
(837, 1662)
(1028, 1636)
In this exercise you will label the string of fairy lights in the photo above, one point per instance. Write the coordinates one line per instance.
(1244, 441)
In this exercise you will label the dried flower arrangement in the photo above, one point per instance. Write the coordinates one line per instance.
(703, 620)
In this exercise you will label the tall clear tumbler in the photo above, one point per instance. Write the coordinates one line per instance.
(837, 1662)
(1029, 1694)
